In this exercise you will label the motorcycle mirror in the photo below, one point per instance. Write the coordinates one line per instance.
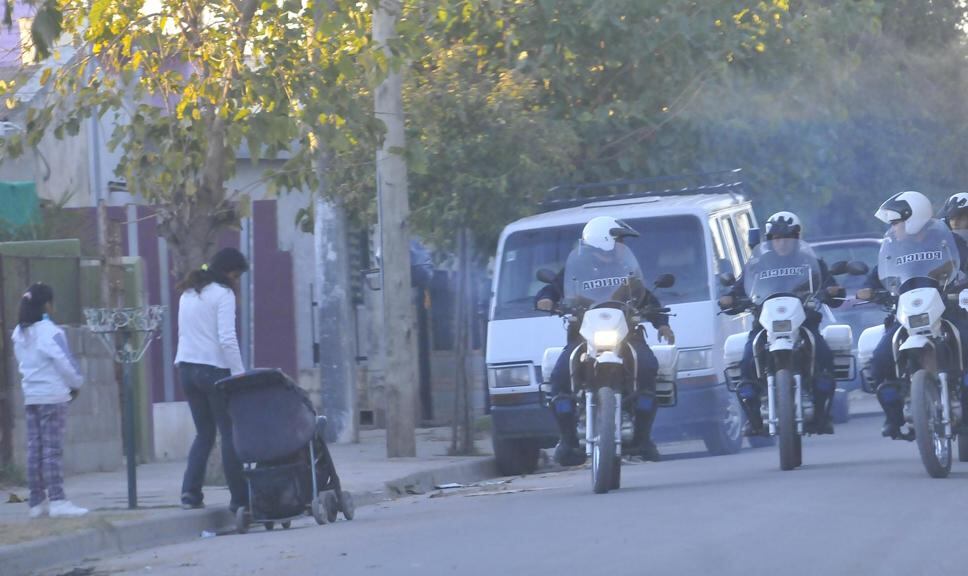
(665, 281)
(546, 276)
(838, 268)
(753, 237)
(856, 268)
(727, 279)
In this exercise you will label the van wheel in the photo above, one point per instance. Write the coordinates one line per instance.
(515, 456)
(725, 436)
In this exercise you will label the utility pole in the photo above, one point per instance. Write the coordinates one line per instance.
(394, 210)
(334, 316)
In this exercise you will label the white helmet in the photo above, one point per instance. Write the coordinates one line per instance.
(783, 225)
(602, 231)
(912, 208)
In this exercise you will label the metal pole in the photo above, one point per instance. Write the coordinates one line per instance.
(129, 440)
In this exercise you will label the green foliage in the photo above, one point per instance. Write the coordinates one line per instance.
(189, 83)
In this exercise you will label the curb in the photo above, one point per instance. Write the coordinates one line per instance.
(126, 536)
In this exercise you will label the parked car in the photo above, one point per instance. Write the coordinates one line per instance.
(858, 314)
(694, 234)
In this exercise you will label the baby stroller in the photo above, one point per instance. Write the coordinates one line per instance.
(280, 441)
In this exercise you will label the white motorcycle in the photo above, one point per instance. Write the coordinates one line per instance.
(916, 272)
(603, 301)
(783, 280)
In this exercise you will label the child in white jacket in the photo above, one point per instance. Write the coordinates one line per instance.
(50, 379)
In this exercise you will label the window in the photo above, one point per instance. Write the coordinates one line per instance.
(666, 245)
(744, 223)
(732, 244)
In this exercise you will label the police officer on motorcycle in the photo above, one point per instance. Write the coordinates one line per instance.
(601, 234)
(955, 214)
(783, 230)
(909, 214)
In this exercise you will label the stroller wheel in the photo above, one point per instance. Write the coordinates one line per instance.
(348, 507)
(286, 525)
(269, 525)
(319, 514)
(241, 521)
(331, 503)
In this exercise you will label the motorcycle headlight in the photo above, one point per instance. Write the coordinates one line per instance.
(919, 320)
(697, 359)
(783, 326)
(605, 339)
(510, 376)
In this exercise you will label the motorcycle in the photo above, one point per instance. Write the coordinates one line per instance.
(916, 272)
(783, 281)
(603, 302)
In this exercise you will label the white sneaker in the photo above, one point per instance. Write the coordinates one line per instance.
(39, 511)
(65, 509)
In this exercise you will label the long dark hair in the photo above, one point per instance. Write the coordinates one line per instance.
(225, 261)
(33, 304)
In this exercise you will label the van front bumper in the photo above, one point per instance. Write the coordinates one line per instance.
(523, 415)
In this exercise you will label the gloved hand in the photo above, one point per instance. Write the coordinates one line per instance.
(666, 333)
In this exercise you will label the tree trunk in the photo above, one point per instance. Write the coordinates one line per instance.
(400, 333)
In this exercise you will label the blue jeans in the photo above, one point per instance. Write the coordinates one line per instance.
(210, 414)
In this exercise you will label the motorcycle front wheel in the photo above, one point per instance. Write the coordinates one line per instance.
(786, 428)
(926, 413)
(603, 452)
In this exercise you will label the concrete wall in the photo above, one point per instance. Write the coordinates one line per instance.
(93, 437)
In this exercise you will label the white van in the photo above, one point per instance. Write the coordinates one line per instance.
(692, 233)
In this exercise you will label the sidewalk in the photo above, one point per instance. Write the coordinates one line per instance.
(27, 546)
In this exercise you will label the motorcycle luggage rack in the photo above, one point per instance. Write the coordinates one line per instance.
(573, 195)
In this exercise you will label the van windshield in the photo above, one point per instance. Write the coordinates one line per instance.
(666, 245)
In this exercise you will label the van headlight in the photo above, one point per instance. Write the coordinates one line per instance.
(605, 339)
(695, 359)
(510, 376)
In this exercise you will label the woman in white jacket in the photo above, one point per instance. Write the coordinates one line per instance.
(208, 351)
(50, 379)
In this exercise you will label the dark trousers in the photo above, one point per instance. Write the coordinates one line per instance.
(882, 365)
(823, 383)
(210, 414)
(648, 366)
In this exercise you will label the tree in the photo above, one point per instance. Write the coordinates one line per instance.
(189, 83)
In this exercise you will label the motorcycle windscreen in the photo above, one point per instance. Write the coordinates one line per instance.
(930, 254)
(786, 266)
(594, 276)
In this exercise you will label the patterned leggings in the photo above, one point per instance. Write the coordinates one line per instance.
(45, 448)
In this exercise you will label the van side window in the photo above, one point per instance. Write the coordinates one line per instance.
(723, 263)
(744, 223)
(732, 243)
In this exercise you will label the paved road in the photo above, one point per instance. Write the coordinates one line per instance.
(860, 505)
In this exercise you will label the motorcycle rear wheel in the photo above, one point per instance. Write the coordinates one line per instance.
(603, 452)
(926, 409)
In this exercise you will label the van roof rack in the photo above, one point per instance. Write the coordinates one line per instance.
(572, 195)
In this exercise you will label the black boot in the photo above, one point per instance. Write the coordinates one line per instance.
(893, 406)
(822, 422)
(642, 445)
(754, 420)
(568, 452)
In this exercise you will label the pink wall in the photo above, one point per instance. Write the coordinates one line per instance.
(10, 39)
